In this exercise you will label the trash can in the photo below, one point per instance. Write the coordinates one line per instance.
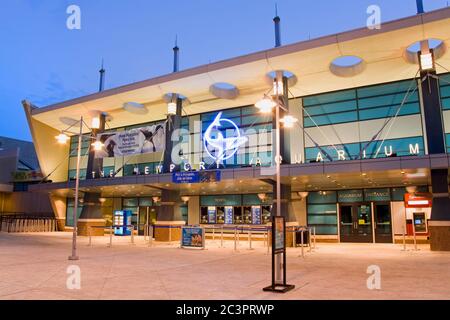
(298, 237)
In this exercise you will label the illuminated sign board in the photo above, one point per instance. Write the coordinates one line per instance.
(217, 146)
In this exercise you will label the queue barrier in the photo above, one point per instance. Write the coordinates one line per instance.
(111, 233)
(25, 223)
(303, 236)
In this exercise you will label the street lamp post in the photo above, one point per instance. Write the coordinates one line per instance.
(77, 185)
(62, 138)
(266, 105)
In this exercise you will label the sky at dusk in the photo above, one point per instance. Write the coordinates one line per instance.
(43, 61)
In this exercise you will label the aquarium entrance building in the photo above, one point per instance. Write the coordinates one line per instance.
(364, 139)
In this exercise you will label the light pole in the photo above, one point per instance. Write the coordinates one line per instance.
(62, 139)
(266, 105)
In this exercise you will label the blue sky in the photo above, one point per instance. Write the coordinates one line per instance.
(41, 60)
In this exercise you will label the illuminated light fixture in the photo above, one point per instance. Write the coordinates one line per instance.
(98, 145)
(171, 108)
(156, 199)
(185, 199)
(418, 202)
(278, 88)
(411, 189)
(262, 196)
(364, 174)
(62, 138)
(303, 194)
(102, 200)
(95, 124)
(402, 172)
(265, 105)
(426, 61)
(288, 121)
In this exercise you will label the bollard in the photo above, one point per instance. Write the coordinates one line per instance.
(250, 238)
(214, 232)
(170, 234)
(110, 237)
(221, 237)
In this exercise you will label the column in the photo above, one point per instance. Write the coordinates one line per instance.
(439, 225)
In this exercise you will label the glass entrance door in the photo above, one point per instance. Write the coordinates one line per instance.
(147, 215)
(383, 223)
(355, 222)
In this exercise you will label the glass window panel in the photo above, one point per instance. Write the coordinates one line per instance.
(389, 88)
(329, 97)
(330, 108)
(395, 99)
(317, 197)
(323, 209)
(331, 119)
(322, 219)
(385, 112)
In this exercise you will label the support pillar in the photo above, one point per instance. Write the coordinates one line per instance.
(439, 225)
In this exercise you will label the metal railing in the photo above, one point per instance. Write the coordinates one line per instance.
(17, 223)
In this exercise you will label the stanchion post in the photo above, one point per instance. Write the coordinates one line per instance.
(414, 235)
(404, 239)
(221, 237)
(132, 234)
(111, 236)
(150, 235)
(314, 232)
(309, 239)
(214, 232)
(267, 240)
(293, 237)
(89, 233)
(235, 236)
(301, 235)
(250, 238)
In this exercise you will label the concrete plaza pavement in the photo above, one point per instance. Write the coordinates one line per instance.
(34, 266)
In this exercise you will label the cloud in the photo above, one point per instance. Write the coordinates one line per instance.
(55, 91)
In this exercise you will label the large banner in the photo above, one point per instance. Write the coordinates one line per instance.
(135, 141)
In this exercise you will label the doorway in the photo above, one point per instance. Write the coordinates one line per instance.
(382, 222)
(146, 215)
(355, 222)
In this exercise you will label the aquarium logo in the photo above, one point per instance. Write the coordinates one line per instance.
(218, 146)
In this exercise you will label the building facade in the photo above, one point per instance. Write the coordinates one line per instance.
(365, 161)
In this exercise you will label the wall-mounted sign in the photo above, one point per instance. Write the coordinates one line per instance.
(196, 176)
(350, 196)
(192, 237)
(135, 141)
(377, 194)
(217, 145)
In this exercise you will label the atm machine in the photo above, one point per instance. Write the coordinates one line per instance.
(418, 212)
(122, 219)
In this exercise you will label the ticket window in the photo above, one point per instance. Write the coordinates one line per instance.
(212, 211)
(266, 211)
(247, 215)
(238, 218)
(204, 215)
(220, 215)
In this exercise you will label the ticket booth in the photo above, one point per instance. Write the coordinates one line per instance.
(418, 212)
(122, 219)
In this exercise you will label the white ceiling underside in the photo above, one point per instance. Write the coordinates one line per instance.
(382, 50)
